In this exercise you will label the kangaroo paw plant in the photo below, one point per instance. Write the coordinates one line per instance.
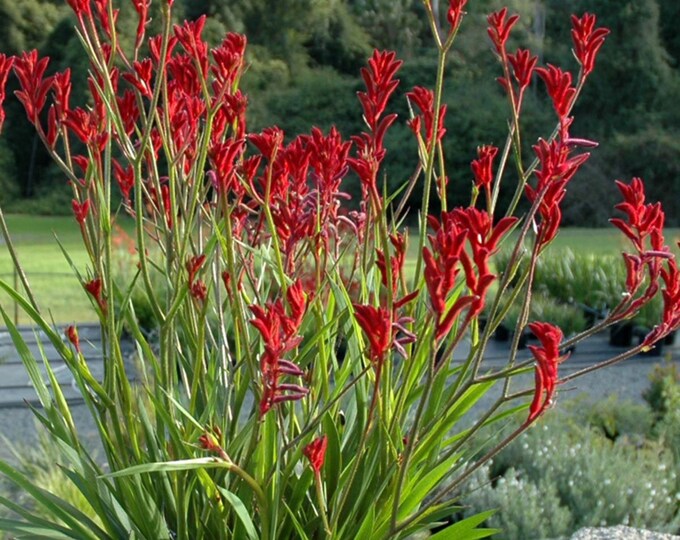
(305, 381)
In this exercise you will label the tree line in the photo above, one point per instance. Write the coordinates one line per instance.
(304, 58)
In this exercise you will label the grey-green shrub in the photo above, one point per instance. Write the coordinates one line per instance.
(599, 482)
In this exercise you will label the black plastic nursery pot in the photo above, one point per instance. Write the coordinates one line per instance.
(621, 334)
(502, 333)
(669, 339)
(655, 351)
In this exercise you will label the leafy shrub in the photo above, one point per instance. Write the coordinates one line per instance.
(662, 377)
(579, 471)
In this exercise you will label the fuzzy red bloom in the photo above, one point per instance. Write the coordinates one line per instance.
(482, 167)
(94, 288)
(380, 85)
(224, 157)
(523, 64)
(189, 36)
(455, 13)
(377, 325)
(196, 287)
(72, 335)
(380, 81)
(80, 210)
(560, 89)
(670, 320)
(398, 241)
(483, 238)
(61, 86)
(442, 266)
(315, 451)
(587, 40)
(500, 27)
(141, 79)
(644, 220)
(547, 361)
(125, 178)
(279, 332)
(423, 98)
(229, 58)
(34, 86)
(557, 168)
(81, 8)
(6, 63)
(142, 9)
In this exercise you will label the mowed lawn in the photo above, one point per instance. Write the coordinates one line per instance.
(54, 285)
(61, 297)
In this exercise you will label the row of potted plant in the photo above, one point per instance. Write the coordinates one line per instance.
(575, 290)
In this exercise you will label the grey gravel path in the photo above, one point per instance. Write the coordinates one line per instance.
(620, 533)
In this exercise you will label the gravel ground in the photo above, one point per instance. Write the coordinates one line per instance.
(620, 533)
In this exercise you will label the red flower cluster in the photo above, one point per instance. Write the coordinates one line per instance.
(380, 82)
(397, 260)
(279, 332)
(34, 86)
(197, 287)
(499, 29)
(587, 40)
(482, 167)
(483, 238)
(560, 89)
(557, 168)
(72, 335)
(448, 256)
(80, 210)
(455, 13)
(547, 361)
(6, 63)
(643, 226)
(315, 452)
(94, 288)
(423, 98)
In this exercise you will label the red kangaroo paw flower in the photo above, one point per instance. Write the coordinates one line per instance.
(6, 63)
(482, 167)
(587, 40)
(423, 98)
(80, 211)
(189, 36)
(125, 178)
(499, 28)
(141, 79)
(81, 8)
(142, 9)
(34, 87)
(380, 85)
(94, 288)
(72, 335)
(643, 220)
(455, 13)
(315, 452)
(547, 361)
(559, 87)
(377, 325)
(523, 65)
(229, 58)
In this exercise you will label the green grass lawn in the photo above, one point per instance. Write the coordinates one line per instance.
(60, 295)
(52, 281)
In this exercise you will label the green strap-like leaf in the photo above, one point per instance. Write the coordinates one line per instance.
(241, 511)
(467, 529)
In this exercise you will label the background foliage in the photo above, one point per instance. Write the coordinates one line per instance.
(305, 54)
